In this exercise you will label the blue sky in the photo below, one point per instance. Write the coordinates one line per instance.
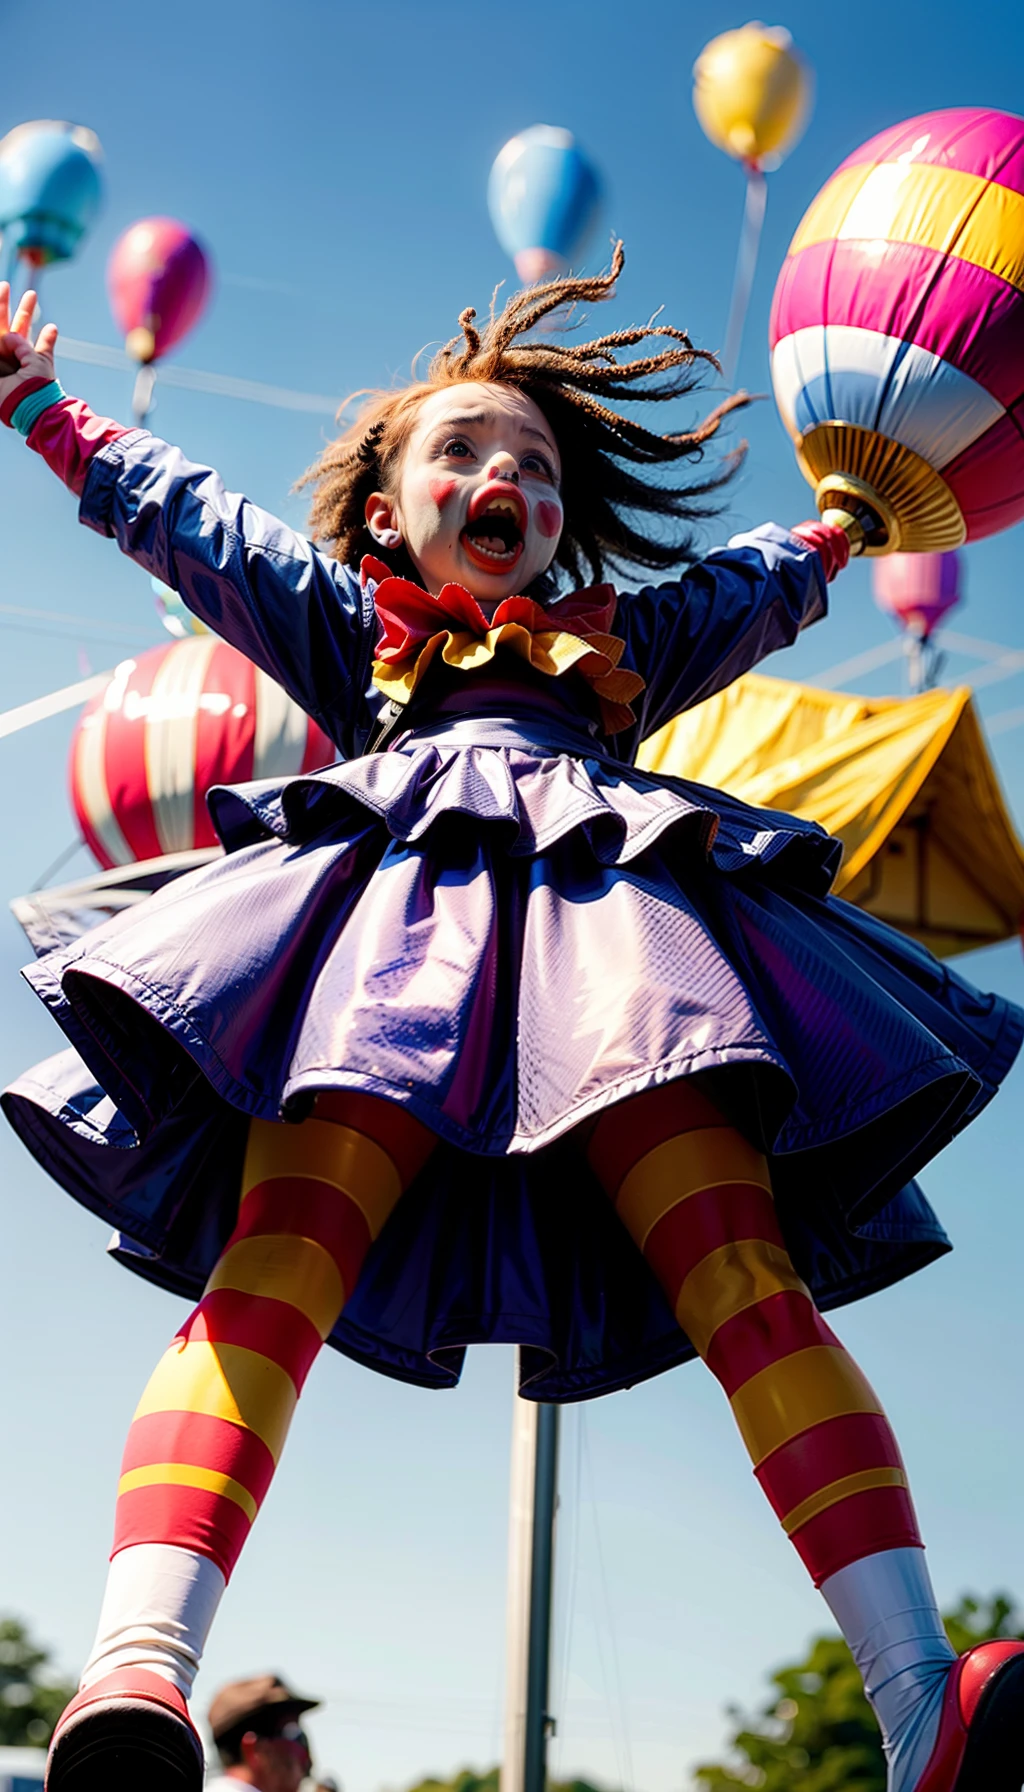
(335, 157)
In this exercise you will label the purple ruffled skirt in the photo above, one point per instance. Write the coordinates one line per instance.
(506, 937)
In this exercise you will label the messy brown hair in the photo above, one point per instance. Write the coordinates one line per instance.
(609, 502)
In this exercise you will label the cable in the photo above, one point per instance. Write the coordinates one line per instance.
(59, 862)
(220, 385)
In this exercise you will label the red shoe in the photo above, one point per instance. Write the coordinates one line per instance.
(980, 1745)
(129, 1732)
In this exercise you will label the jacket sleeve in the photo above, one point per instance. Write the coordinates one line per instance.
(260, 585)
(693, 637)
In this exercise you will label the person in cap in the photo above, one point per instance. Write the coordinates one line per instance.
(257, 1728)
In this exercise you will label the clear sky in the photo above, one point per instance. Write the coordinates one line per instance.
(334, 156)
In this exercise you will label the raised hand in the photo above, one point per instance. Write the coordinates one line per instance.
(22, 360)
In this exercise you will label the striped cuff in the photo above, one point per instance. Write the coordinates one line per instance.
(35, 404)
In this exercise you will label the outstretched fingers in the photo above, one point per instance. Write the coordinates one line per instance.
(24, 315)
(18, 358)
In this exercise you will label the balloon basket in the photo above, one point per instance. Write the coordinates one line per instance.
(897, 502)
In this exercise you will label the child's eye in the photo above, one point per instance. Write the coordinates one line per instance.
(458, 448)
(538, 463)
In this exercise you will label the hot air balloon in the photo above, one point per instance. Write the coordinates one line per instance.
(918, 591)
(752, 94)
(543, 196)
(170, 724)
(897, 333)
(159, 280)
(50, 192)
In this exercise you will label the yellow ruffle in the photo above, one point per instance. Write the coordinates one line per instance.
(550, 651)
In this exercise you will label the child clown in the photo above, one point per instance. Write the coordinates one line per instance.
(452, 1018)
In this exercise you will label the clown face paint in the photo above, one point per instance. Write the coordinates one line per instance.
(477, 501)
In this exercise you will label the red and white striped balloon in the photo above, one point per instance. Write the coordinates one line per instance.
(170, 724)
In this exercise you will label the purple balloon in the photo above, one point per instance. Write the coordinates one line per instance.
(159, 281)
(918, 590)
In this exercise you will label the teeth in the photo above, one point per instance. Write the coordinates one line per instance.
(502, 507)
(496, 553)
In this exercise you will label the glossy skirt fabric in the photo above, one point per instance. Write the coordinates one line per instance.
(507, 939)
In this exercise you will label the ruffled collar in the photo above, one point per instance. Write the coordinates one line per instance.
(571, 636)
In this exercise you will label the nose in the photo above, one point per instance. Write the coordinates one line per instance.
(504, 466)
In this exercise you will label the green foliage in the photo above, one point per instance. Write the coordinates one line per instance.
(817, 1733)
(30, 1701)
(467, 1781)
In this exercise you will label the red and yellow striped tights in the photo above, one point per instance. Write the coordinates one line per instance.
(211, 1424)
(696, 1198)
(692, 1193)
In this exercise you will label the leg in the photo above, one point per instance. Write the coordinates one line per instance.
(211, 1424)
(696, 1199)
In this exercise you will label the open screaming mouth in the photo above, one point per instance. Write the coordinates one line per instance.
(494, 533)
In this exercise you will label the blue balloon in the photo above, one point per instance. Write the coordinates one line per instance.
(543, 196)
(50, 189)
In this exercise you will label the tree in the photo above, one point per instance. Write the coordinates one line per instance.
(30, 1700)
(818, 1733)
(468, 1781)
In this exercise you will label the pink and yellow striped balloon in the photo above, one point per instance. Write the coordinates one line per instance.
(897, 330)
(169, 725)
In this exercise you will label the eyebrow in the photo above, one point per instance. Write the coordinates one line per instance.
(480, 417)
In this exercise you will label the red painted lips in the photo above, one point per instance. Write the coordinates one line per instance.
(495, 526)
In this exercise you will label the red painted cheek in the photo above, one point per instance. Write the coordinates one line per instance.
(441, 490)
(549, 518)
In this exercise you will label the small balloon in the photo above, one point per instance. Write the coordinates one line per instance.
(752, 93)
(177, 619)
(918, 590)
(543, 196)
(159, 281)
(50, 190)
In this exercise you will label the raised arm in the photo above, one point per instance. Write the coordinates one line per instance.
(259, 584)
(692, 637)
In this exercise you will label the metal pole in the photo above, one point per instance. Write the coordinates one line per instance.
(532, 1499)
(539, 1722)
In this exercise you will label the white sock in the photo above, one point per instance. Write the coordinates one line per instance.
(157, 1611)
(885, 1607)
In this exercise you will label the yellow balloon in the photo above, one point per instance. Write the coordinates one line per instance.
(752, 92)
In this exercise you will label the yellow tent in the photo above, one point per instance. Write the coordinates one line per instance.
(906, 783)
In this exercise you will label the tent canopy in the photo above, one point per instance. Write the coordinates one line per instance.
(906, 783)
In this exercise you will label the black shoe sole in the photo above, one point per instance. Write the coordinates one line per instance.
(994, 1757)
(126, 1747)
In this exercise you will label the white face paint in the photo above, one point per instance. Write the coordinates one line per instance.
(477, 501)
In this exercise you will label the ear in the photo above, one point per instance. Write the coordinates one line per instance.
(381, 520)
(250, 1748)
